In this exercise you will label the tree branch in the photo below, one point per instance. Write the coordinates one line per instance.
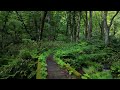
(113, 18)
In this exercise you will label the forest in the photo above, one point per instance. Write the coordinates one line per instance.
(59, 45)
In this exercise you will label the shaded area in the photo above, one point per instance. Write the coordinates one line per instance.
(55, 72)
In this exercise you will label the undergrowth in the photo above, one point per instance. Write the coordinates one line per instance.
(22, 60)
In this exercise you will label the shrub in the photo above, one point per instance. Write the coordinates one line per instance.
(115, 68)
(92, 73)
(25, 54)
(19, 69)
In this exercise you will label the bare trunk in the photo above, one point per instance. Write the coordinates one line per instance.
(102, 29)
(90, 26)
(86, 25)
(49, 26)
(42, 24)
(67, 29)
(106, 36)
(74, 26)
(101, 24)
(78, 26)
(106, 29)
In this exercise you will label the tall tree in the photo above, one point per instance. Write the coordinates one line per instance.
(86, 24)
(107, 27)
(101, 24)
(67, 21)
(74, 26)
(90, 26)
(79, 13)
(44, 13)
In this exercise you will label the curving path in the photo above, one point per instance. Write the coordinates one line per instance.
(54, 71)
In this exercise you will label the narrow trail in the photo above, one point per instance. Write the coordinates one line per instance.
(54, 71)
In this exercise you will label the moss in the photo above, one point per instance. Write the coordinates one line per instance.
(38, 74)
(69, 68)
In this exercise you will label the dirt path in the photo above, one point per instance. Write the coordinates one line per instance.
(55, 72)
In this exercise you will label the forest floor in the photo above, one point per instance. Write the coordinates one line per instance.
(55, 72)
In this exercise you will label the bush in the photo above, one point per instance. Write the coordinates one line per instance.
(61, 37)
(92, 73)
(13, 49)
(25, 54)
(98, 66)
(29, 44)
(115, 68)
(3, 61)
(19, 69)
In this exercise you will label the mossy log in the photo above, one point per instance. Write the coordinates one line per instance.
(38, 74)
(68, 68)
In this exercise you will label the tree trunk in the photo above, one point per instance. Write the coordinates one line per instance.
(90, 26)
(68, 31)
(106, 29)
(102, 29)
(67, 20)
(49, 18)
(86, 24)
(102, 25)
(78, 26)
(42, 23)
(74, 26)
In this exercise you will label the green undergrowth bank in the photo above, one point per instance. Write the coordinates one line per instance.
(80, 50)
(67, 66)
(95, 61)
(41, 72)
(42, 66)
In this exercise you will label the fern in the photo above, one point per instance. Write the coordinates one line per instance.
(42, 66)
(92, 73)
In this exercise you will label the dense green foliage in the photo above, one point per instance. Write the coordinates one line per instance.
(80, 41)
